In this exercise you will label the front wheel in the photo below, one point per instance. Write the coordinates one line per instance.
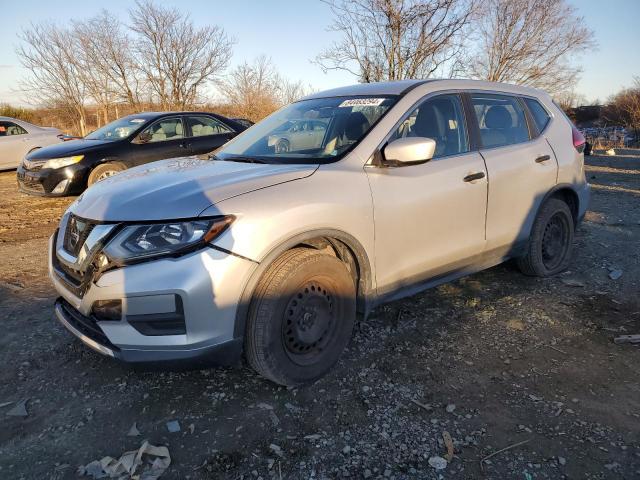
(301, 317)
(104, 170)
(551, 241)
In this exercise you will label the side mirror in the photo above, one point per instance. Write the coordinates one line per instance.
(410, 150)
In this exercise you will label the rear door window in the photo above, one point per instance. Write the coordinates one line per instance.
(202, 126)
(501, 119)
(9, 128)
(540, 115)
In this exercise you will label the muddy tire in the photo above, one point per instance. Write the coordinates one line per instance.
(551, 241)
(103, 171)
(301, 317)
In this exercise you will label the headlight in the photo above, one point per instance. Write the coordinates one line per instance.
(62, 162)
(136, 242)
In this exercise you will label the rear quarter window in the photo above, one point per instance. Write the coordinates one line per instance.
(540, 115)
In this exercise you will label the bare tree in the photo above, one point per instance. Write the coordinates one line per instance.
(396, 39)
(252, 89)
(569, 99)
(48, 53)
(624, 107)
(530, 42)
(105, 49)
(176, 58)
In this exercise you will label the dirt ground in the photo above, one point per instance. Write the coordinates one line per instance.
(496, 360)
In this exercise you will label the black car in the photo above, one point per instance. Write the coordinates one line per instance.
(68, 168)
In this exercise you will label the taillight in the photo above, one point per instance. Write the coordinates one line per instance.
(578, 139)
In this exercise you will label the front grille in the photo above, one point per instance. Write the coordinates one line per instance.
(86, 325)
(30, 184)
(77, 282)
(76, 234)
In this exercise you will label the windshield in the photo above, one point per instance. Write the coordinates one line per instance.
(118, 129)
(316, 130)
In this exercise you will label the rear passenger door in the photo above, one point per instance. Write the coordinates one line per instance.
(207, 133)
(522, 168)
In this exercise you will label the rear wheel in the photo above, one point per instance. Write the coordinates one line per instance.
(105, 170)
(301, 317)
(551, 241)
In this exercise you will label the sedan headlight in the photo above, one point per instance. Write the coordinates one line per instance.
(62, 162)
(136, 242)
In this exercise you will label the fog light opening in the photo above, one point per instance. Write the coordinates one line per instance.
(62, 186)
(108, 310)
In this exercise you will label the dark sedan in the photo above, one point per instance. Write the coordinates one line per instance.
(68, 168)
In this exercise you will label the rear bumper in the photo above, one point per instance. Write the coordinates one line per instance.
(584, 197)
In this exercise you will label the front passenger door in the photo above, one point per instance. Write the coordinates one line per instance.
(429, 218)
(163, 139)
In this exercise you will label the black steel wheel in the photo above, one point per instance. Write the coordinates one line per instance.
(301, 317)
(551, 240)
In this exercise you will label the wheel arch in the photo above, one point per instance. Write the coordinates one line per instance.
(567, 194)
(344, 246)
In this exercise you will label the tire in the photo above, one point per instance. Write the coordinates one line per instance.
(103, 171)
(551, 241)
(301, 317)
(282, 146)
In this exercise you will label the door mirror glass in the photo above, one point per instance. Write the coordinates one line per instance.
(410, 150)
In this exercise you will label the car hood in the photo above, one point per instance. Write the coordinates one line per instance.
(178, 188)
(66, 149)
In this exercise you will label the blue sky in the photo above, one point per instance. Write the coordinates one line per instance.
(292, 32)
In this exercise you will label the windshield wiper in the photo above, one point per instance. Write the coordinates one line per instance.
(239, 159)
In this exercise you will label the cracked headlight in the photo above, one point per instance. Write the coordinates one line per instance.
(136, 242)
(62, 162)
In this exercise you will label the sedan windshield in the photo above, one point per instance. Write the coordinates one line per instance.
(118, 129)
(316, 130)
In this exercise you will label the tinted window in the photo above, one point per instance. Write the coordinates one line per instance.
(441, 119)
(501, 120)
(162, 130)
(540, 115)
(201, 126)
(10, 128)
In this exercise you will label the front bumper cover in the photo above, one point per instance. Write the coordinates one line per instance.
(43, 182)
(209, 284)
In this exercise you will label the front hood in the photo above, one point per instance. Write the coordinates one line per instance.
(66, 149)
(178, 188)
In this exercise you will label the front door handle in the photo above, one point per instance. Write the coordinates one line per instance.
(543, 158)
(474, 176)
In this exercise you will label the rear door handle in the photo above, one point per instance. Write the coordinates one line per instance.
(543, 158)
(474, 176)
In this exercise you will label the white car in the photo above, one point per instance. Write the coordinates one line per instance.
(413, 184)
(298, 135)
(18, 138)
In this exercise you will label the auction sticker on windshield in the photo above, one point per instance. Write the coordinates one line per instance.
(362, 102)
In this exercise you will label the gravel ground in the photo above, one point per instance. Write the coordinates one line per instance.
(496, 360)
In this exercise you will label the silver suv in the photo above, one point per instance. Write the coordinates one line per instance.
(273, 251)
